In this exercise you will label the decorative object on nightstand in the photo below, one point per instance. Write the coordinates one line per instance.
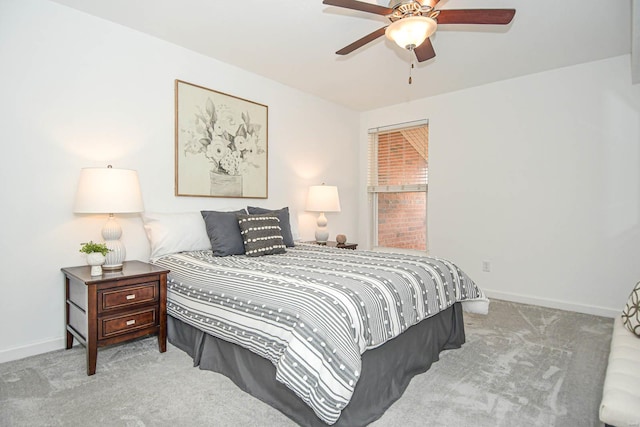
(108, 190)
(96, 256)
(341, 239)
(115, 307)
(323, 198)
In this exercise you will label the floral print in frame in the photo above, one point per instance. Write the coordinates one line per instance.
(221, 144)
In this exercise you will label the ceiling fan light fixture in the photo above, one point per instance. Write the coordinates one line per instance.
(412, 31)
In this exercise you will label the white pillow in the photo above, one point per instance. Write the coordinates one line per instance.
(170, 233)
(293, 220)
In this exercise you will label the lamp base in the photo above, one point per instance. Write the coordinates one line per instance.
(111, 233)
(322, 234)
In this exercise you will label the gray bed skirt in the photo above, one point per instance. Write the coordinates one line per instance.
(386, 370)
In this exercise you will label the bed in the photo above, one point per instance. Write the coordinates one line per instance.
(327, 336)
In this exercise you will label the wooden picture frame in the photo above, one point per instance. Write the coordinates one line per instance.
(221, 144)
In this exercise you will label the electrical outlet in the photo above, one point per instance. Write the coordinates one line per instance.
(486, 266)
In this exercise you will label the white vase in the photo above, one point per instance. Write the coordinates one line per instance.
(95, 260)
(225, 185)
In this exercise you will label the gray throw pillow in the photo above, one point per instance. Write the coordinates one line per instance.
(631, 312)
(261, 234)
(285, 222)
(224, 232)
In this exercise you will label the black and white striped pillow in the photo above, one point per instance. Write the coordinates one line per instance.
(261, 234)
(631, 312)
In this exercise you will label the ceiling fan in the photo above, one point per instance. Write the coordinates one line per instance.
(414, 21)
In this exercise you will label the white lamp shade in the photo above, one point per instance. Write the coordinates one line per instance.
(411, 31)
(108, 190)
(323, 198)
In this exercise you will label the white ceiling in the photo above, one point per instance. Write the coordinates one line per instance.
(293, 42)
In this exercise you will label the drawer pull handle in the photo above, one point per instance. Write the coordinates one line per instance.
(132, 296)
(131, 322)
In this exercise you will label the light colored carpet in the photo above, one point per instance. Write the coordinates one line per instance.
(521, 366)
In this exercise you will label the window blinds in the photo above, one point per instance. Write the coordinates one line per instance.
(398, 160)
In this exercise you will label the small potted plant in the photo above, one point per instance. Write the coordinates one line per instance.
(96, 253)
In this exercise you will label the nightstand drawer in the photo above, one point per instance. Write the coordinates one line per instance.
(127, 297)
(125, 323)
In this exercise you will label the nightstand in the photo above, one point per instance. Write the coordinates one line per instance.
(115, 307)
(337, 245)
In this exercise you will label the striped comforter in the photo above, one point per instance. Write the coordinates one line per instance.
(313, 310)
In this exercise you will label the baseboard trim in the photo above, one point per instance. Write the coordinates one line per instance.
(550, 303)
(31, 349)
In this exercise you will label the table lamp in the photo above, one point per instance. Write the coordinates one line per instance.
(322, 198)
(109, 191)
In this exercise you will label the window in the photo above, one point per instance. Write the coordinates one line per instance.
(397, 187)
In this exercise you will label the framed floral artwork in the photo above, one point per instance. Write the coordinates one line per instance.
(221, 144)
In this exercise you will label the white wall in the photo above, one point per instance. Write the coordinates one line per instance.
(77, 91)
(539, 175)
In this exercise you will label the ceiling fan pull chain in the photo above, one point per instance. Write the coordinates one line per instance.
(411, 56)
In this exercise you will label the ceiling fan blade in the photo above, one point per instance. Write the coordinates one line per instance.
(359, 5)
(476, 16)
(425, 51)
(361, 42)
